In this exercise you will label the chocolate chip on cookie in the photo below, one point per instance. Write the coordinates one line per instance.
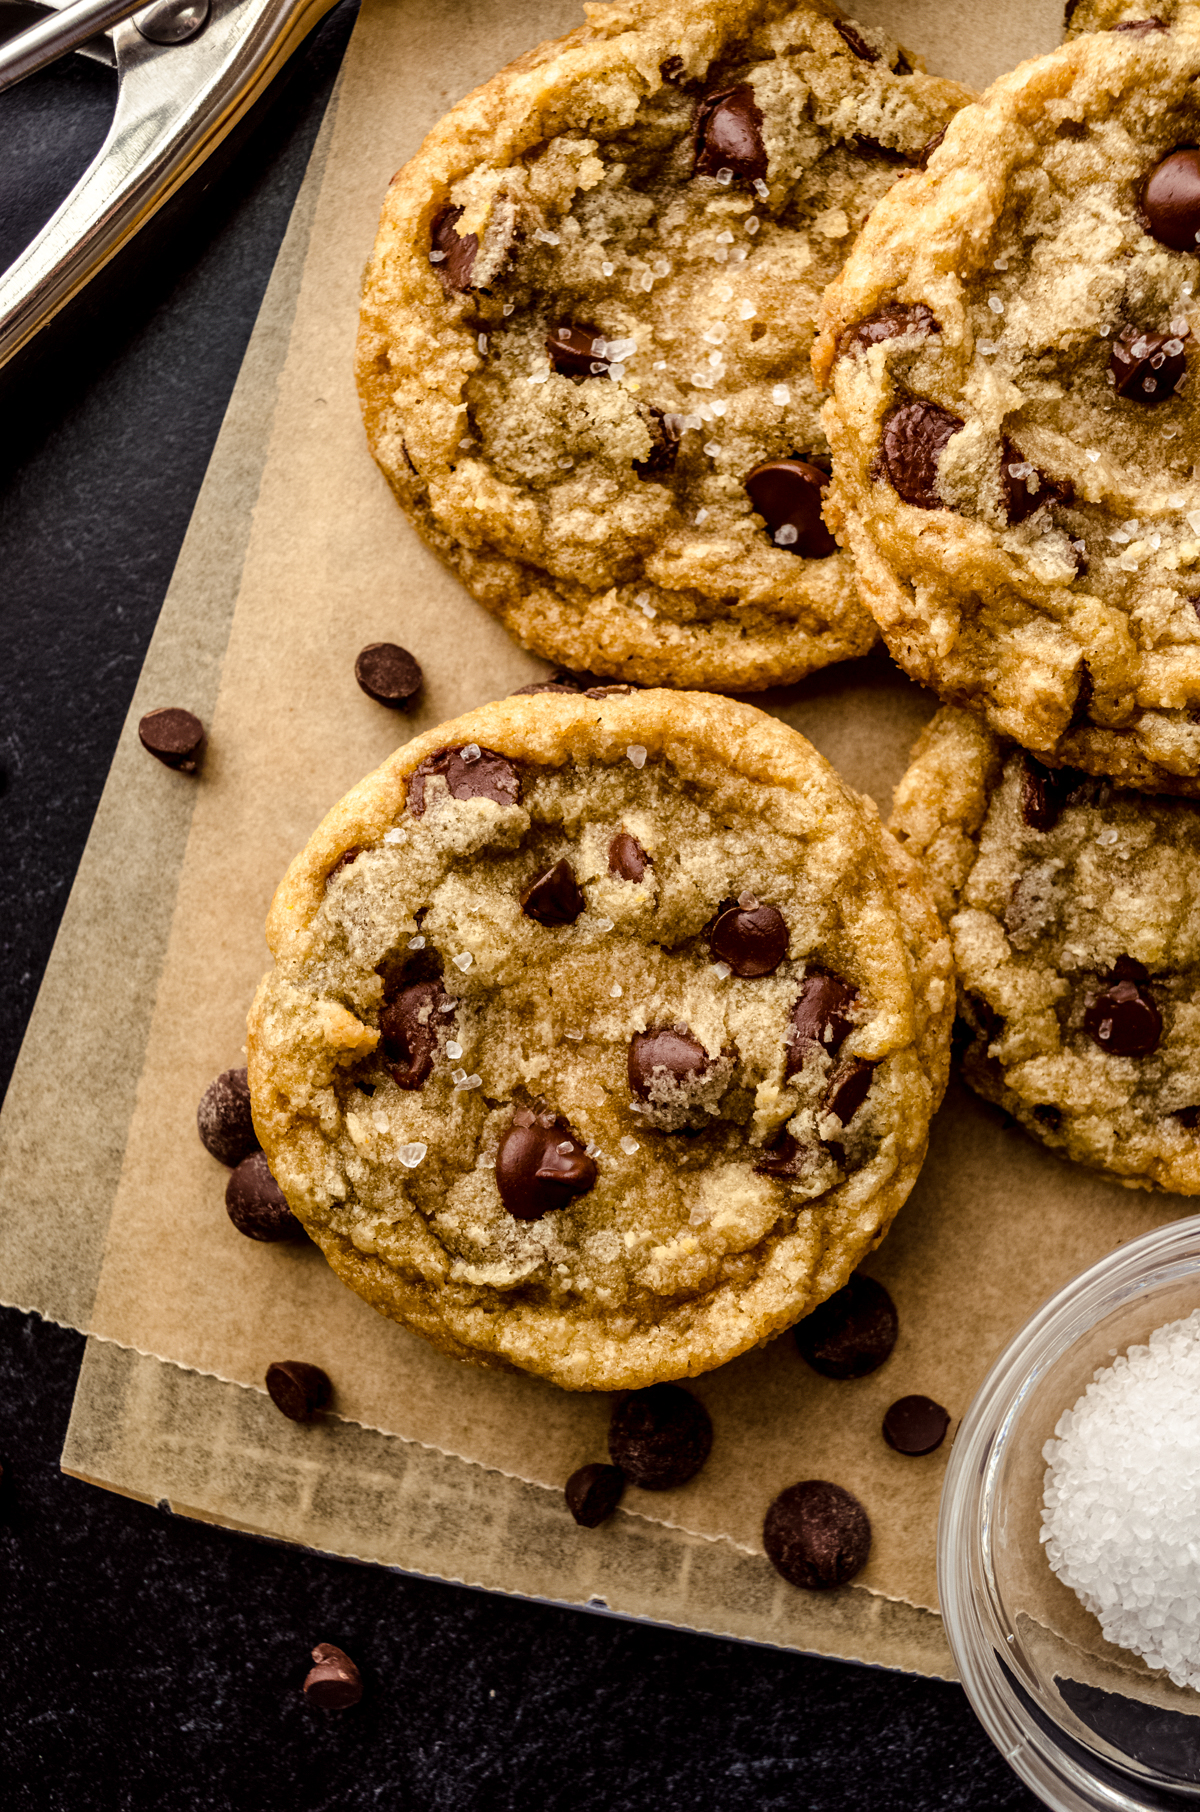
(297, 1389)
(891, 322)
(334, 1684)
(1124, 1020)
(848, 1088)
(666, 429)
(173, 736)
(593, 1493)
(223, 1118)
(408, 1030)
(541, 1165)
(555, 898)
(1045, 793)
(660, 1437)
(257, 1205)
(664, 1058)
(817, 1535)
(786, 1160)
(866, 53)
(1141, 26)
(627, 858)
(750, 937)
(915, 1425)
(389, 674)
(914, 436)
(1024, 488)
(820, 1016)
(852, 1332)
(571, 351)
(1171, 200)
(347, 858)
(469, 773)
(787, 494)
(1148, 367)
(729, 135)
(453, 258)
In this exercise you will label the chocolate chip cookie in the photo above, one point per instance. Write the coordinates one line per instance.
(1074, 911)
(1012, 346)
(584, 351)
(603, 1036)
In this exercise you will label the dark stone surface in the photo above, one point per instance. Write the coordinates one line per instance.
(150, 1662)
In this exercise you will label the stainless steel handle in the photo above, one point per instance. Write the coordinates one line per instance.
(54, 36)
(175, 105)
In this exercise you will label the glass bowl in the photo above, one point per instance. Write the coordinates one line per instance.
(1085, 1724)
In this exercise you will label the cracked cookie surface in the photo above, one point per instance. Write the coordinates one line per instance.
(587, 323)
(1074, 912)
(603, 1036)
(1014, 419)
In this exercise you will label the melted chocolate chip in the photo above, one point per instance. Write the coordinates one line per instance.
(491, 777)
(1045, 793)
(296, 1389)
(223, 1118)
(847, 1089)
(915, 1425)
(1016, 478)
(1123, 1020)
(408, 1030)
(458, 255)
(852, 1333)
(257, 1205)
(665, 431)
(664, 1056)
(660, 1437)
(555, 897)
(728, 134)
(388, 674)
(345, 860)
(174, 737)
(889, 323)
(1146, 367)
(821, 1016)
(627, 858)
(753, 940)
(1141, 26)
(570, 349)
(858, 44)
(334, 1684)
(913, 438)
(817, 1535)
(1171, 200)
(593, 1493)
(671, 70)
(786, 1159)
(534, 1176)
(787, 493)
(928, 149)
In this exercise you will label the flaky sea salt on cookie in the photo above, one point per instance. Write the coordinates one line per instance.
(1012, 349)
(586, 326)
(1074, 913)
(603, 1036)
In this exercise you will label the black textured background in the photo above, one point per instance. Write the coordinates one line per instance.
(149, 1662)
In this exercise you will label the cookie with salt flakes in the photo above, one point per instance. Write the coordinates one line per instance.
(603, 1036)
(584, 347)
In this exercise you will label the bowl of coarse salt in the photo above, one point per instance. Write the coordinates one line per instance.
(1069, 1536)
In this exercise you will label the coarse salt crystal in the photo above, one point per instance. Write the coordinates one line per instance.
(1108, 835)
(565, 1146)
(604, 924)
(715, 334)
(545, 237)
(722, 970)
(437, 257)
(725, 238)
(471, 752)
(628, 1145)
(416, 943)
(717, 407)
(486, 1161)
(395, 836)
(746, 310)
(1193, 521)
(988, 347)
(1092, 454)
(637, 754)
(781, 394)
(569, 1033)
(482, 343)
(787, 536)
(712, 448)
(608, 268)
(468, 1082)
(761, 189)
(410, 1155)
(616, 991)
(463, 960)
(1001, 264)
(724, 177)
(752, 225)
(996, 305)
(454, 1050)
(701, 517)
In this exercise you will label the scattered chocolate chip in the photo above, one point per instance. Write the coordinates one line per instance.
(534, 1174)
(223, 1118)
(1016, 478)
(627, 858)
(1146, 367)
(344, 861)
(570, 349)
(664, 1056)
(388, 674)
(858, 44)
(728, 134)
(820, 1016)
(817, 1535)
(847, 1089)
(334, 1684)
(257, 1205)
(593, 1493)
(1141, 26)
(913, 438)
(1049, 1116)
(174, 737)
(786, 1159)
(852, 1332)
(489, 776)
(660, 1437)
(1045, 793)
(671, 69)
(915, 1425)
(554, 898)
(787, 493)
(457, 255)
(753, 940)
(1123, 1020)
(297, 1389)
(408, 1030)
(665, 428)
(889, 323)
(1171, 200)
(1188, 1117)
(928, 149)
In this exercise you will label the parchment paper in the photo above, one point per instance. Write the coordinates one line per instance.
(326, 564)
